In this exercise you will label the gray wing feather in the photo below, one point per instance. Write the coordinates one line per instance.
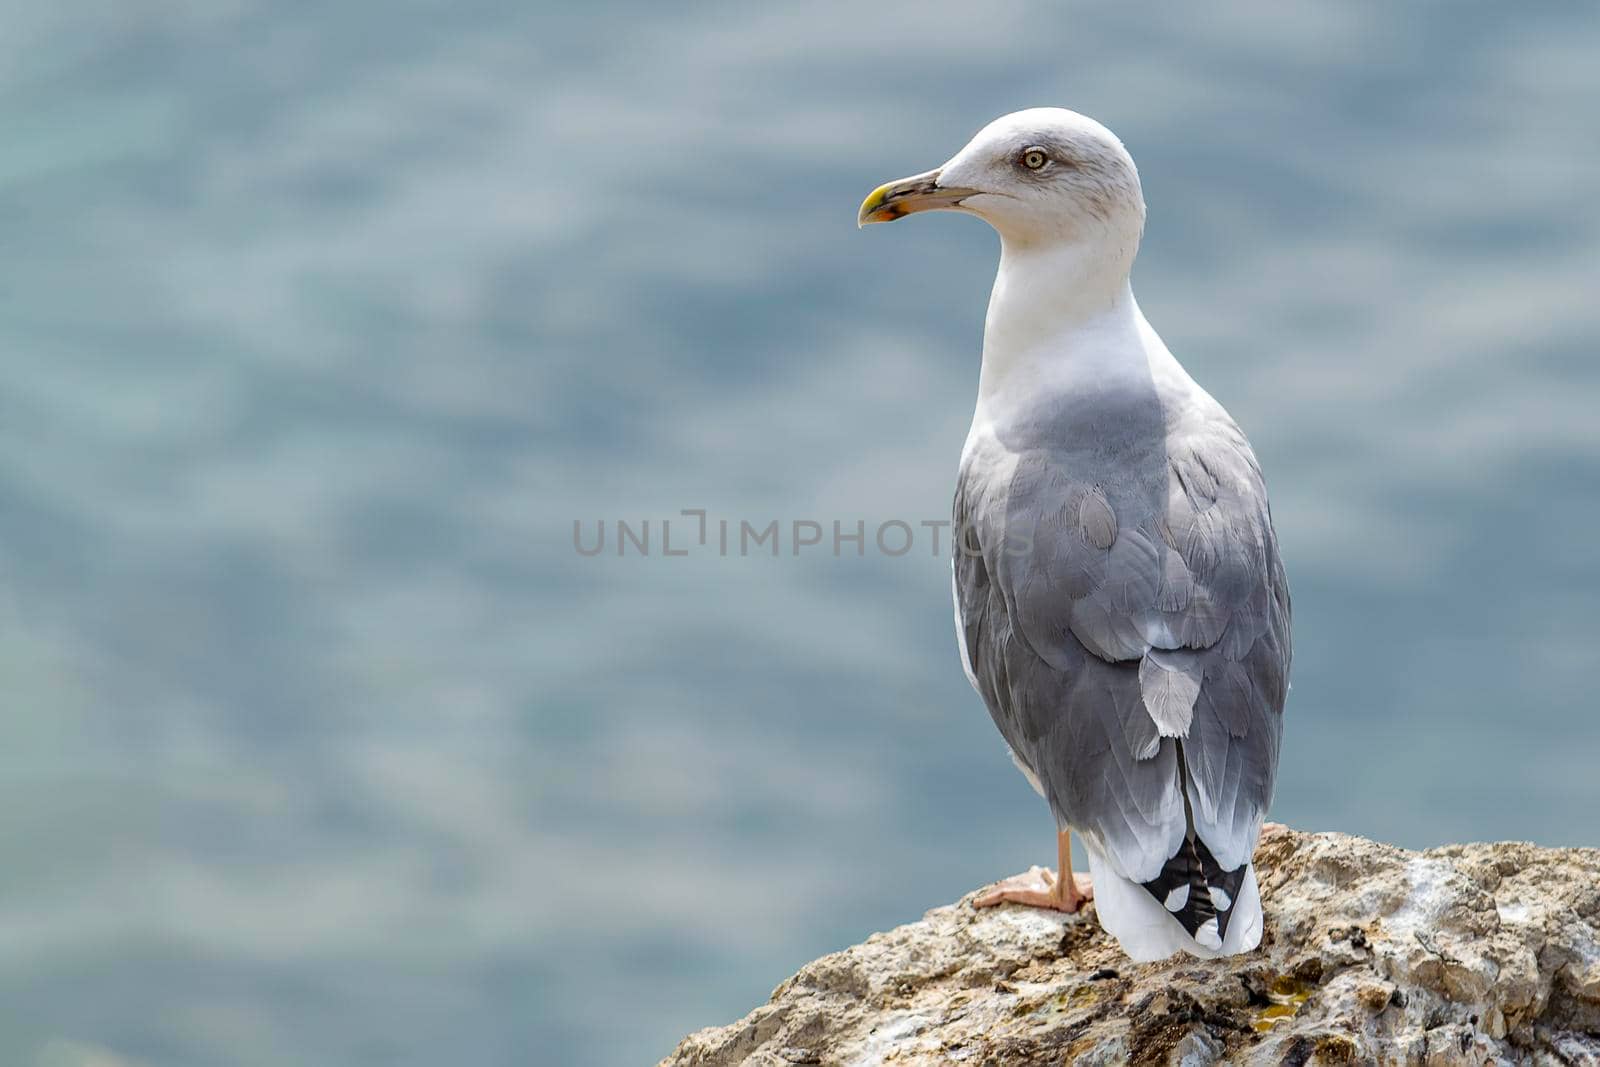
(1124, 609)
(1169, 684)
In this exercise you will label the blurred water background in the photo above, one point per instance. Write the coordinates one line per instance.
(321, 324)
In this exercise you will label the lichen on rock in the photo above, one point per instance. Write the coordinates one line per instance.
(1468, 954)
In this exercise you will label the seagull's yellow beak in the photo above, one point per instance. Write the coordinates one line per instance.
(920, 192)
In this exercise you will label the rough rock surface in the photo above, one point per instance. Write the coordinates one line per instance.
(1469, 954)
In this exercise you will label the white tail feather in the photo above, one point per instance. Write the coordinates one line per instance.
(1147, 931)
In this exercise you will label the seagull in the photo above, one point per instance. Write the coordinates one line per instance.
(1120, 604)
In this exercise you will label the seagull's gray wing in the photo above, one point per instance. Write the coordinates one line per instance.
(1125, 617)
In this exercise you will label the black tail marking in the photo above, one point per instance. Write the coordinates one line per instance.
(1196, 870)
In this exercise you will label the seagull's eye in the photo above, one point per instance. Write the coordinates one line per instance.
(1034, 158)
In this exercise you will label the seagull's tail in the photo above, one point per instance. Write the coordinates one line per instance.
(1196, 915)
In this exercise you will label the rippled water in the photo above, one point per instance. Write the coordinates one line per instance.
(321, 324)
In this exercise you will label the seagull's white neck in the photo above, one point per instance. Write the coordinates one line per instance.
(1062, 316)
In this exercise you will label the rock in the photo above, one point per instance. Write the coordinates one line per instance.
(1468, 954)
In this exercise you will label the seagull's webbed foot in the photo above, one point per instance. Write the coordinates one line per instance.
(1040, 888)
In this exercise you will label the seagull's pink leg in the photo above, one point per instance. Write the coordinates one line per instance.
(1039, 888)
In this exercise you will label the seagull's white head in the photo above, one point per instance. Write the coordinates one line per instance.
(1042, 176)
